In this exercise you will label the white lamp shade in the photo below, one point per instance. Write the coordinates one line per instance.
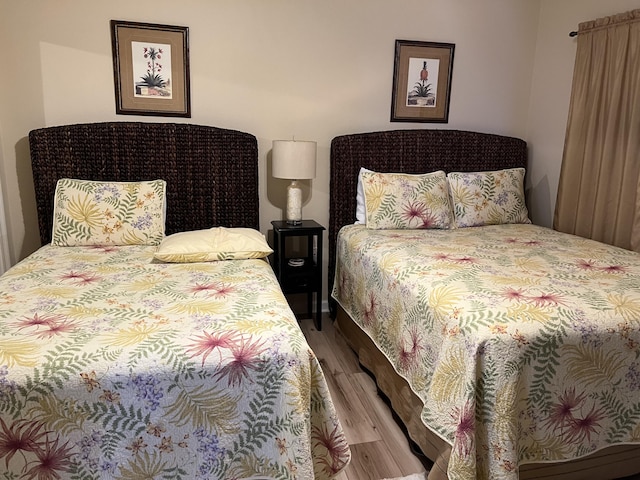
(292, 159)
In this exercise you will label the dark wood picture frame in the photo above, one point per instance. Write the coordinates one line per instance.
(422, 74)
(144, 84)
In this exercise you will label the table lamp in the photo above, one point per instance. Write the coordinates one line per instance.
(294, 160)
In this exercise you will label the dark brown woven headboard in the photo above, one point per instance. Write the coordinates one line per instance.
(211, 173)
(409, 151)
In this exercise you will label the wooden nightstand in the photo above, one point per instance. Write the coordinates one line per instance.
(300, 274)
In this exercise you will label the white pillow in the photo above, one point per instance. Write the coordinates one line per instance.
(361, 211)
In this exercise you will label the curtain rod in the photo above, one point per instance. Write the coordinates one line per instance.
(632, 19)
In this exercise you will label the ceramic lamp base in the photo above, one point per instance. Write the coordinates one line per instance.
(294, 203)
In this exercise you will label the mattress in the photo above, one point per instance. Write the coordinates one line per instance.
(521, 342)
(115, 365)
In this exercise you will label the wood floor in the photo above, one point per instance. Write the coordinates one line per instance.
(379, 447)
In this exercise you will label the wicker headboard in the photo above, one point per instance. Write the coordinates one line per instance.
(211, 173)
(409, 151)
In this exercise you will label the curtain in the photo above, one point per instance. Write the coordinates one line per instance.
(599, 185)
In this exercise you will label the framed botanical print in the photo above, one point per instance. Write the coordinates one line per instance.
(421, 81)
(151, 69)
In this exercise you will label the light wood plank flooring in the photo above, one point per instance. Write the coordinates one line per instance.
(379, 447)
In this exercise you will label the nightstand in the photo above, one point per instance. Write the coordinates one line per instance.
(300, 274)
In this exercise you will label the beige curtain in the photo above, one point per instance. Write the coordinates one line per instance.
(599, 189)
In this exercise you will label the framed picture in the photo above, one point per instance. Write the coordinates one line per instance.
(421, 81)
(151, 69)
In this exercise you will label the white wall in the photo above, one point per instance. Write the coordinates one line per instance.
(551, 90)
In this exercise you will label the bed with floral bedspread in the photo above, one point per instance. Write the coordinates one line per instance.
(522, 342)
(116, 365)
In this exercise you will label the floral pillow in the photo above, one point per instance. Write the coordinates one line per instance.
(488, 198)
(218, 243)
(404, 201)
(108, 213)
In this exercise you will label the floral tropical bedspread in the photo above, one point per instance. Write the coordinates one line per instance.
(522, 342)
(113, 366)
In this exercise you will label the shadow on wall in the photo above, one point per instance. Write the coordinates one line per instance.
(540, 211)
(31, 239)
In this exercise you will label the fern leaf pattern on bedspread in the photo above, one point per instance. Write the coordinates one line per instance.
(523, 342)
(116, 366)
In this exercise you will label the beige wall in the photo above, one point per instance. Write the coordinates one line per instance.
(304, 68)
(274, 68)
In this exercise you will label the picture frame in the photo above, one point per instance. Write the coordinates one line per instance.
(151, 69)
(422, 75)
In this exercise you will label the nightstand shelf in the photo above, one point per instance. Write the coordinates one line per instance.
(307, 277)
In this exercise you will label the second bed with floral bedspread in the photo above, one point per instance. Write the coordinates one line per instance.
(521, 341)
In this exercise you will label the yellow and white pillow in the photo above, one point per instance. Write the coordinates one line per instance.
(488, 198)
(405, 201)
(108, 213)
(218, 243)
